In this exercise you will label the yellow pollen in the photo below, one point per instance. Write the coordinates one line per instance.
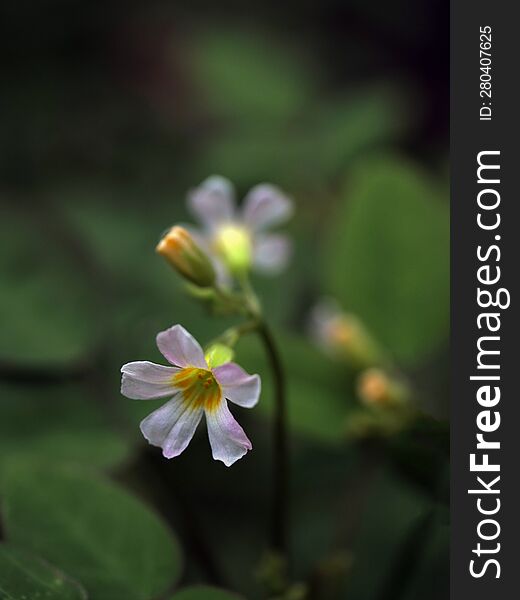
(199, 388)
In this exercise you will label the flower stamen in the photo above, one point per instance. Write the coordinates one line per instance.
(199, 388)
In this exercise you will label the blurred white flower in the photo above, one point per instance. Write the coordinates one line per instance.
(238, 238)
(342, 334)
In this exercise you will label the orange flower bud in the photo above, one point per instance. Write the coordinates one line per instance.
(180, 249)
(377, 388)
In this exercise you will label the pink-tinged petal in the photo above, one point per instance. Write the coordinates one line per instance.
(271, 253)
(237, 385)
(180, 348)
(265, 206)
(172, 426)
(143, 380)
(213, 202)
(228, 440)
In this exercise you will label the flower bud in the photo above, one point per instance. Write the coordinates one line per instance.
(218, 354)
(377, 389)
(179, 248)
(344, 336)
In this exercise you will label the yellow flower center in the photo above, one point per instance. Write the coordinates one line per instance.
(234, 245)
(199, 388)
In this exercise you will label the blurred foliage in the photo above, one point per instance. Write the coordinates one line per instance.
(25, 576)
(97, 532)
(203, 592)
(311, 376)
(272, 123)
(390, 513)
(49, 323)
(109, 117)
(60, 423)
(229, 80)
(388, 256)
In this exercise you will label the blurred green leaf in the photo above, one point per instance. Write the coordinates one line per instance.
(58, 422)
(388, 516)
(26, 577)
(97, 532)
(352, 124)
(48, 306)
(318, 396)
(146, 294)
(204, 592)
(312, 150)
(122, 242)
(275, 123)
(387, 256)
(243, 77)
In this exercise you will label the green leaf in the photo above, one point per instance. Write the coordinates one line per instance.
(204, 592)
(388, 256)
(245, 78)
(94, 530)
(46, 295)
(58, 423)
(27, 577)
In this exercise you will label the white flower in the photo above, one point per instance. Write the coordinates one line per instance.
(197, 388)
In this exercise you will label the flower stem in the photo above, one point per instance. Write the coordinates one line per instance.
(281, 476)
(280, 515)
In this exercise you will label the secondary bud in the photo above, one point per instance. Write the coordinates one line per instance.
(180, 249)
(218, 355)
(344, 335)
(376, 388)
